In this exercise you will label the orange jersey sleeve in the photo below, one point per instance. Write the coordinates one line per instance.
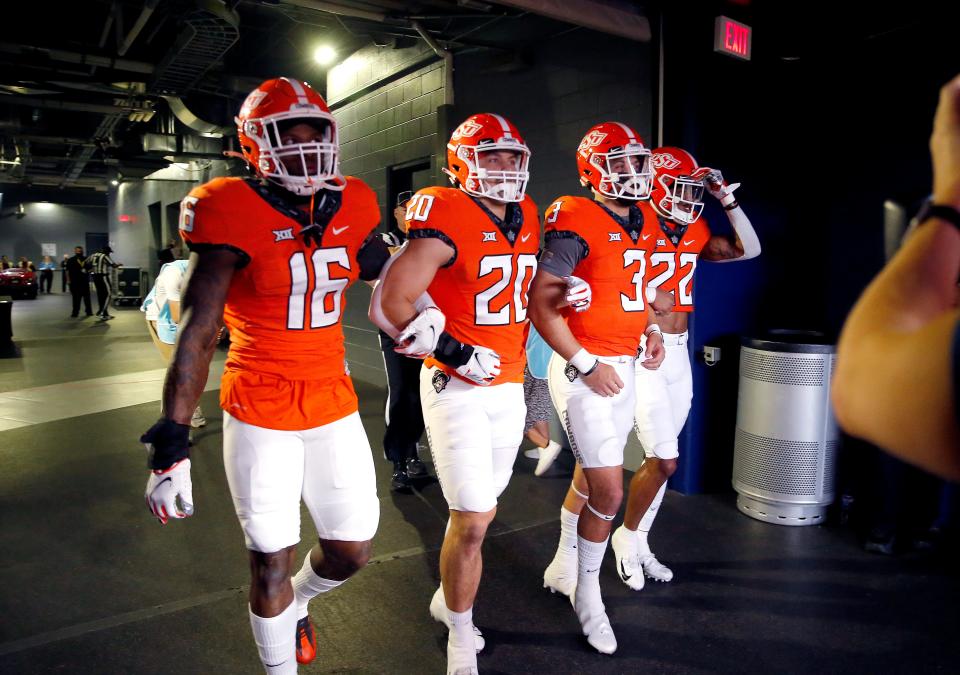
(614, 266)
(483, 289)
(672, 266)
(284, 307)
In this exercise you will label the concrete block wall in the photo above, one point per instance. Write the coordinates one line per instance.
(573, 83)
(386, 102)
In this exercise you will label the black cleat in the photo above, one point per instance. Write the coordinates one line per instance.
(400, 482)
(416, 468)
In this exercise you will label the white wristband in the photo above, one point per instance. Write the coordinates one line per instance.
(583, 361)
(651, 329)
(650, 293)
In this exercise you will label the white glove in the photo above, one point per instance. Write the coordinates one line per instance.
(163, 488)
(483, 366)
(419, 338)
(716, 186)
(579, 294)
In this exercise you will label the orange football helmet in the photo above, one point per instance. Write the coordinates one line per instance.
(482, 133)
(613, 160)
(301, 168)
(678, 185)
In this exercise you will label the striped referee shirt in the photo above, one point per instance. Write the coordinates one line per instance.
(100, 263)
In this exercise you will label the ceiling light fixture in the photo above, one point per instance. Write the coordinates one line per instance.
(324, 55)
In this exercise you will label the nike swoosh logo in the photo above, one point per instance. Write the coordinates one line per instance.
(336, 231)
(687, 243)
(647, 236)
(623, 573)
(525, 237)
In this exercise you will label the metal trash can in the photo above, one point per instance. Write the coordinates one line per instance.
(786, 439)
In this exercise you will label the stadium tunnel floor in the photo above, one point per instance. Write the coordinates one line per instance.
(90, 583)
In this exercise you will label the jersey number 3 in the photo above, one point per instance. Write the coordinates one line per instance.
(325, 301)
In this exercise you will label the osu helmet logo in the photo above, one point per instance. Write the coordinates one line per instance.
(468, 128)
(590, 140)
(664, 160)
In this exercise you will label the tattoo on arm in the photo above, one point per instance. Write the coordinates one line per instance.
(202, 301)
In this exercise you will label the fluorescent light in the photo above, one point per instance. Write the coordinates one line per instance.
(324, 55)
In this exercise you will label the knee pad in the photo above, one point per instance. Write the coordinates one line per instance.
(474, 496)
(353, 520)
(666, 450)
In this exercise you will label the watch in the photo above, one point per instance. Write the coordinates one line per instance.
(943, 212)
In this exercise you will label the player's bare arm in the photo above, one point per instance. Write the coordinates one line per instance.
(207, 283)
(547, 293)
(654, 352)
(409, 276)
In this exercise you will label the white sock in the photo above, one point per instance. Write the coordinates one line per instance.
(461, 627)
(647, 521)
(276, 640)
(307, 585)
(590, 556)
(567, 548)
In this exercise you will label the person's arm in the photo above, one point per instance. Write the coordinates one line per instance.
(207, 282)
(744, 243)
(894, 384)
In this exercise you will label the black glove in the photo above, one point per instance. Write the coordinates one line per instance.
(167, 443)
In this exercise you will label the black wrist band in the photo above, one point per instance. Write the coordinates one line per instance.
(592, 368)
(451, 352)
(169, 443)
(731, 206)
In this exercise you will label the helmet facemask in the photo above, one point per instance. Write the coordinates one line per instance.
(683, 198)
(301, 168)
(625, 172)
(498, 185)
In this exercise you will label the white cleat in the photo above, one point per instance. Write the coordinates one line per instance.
(598, 631)
(561, 577)
(532, 453)
(627, 558)
(438, 610)
(460, 660)
(655, 569)
(547, 457)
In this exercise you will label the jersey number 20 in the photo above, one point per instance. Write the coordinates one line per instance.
(526, 266)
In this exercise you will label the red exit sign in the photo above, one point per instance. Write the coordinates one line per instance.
(732, 38)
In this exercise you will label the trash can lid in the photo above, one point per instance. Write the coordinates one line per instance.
(792, 340)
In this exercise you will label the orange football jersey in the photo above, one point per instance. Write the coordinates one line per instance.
(483, 290)
(671, 267)
(614, 266)
(286, 368)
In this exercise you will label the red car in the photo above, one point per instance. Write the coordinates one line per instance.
(18, 282)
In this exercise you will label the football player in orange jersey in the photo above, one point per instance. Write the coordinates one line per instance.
(272, 255)
(473, 247)
(679, 237)
(591, 374)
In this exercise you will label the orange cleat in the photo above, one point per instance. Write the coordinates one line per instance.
(306, 641)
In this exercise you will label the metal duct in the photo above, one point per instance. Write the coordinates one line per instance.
(184, 114)
(105, 130)
(207, 33)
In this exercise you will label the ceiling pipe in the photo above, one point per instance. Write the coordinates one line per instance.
(77, 57)
(338, 9)
(138, 25)
(444, 54)
(76, 106)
